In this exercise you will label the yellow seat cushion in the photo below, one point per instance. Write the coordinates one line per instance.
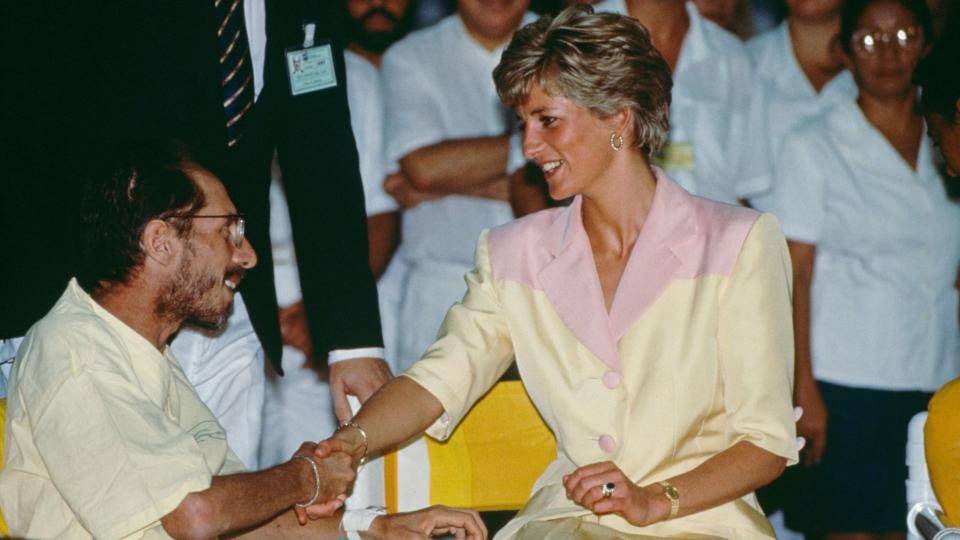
(493, 458)
(942, 448)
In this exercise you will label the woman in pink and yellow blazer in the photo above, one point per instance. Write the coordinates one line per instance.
(651, 328)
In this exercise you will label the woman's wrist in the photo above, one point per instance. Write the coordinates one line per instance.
(658, 504)
(355, 438)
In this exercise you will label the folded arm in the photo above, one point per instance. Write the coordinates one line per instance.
(457, 166)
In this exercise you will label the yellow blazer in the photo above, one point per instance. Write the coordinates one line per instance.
(695, 354)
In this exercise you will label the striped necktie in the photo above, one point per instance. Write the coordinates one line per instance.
(236, 73)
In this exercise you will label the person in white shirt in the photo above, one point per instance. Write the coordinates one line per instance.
(798, 74)
(712, 84)
(873, 239)
(447, 132)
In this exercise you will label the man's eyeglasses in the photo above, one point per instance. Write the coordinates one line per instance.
(867, 42)
(238, 224)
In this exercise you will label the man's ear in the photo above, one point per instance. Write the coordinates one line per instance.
(956, 112)
(160, 242)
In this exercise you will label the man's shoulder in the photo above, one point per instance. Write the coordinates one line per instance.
(425, 42)
(68, 333)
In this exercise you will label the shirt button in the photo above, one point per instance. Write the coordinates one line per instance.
(607, 444)
(611, 379)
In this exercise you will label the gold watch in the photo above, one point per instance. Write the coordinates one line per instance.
(674, 496)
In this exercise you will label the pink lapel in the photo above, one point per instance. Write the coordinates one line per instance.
(657, 256)
(571, 283)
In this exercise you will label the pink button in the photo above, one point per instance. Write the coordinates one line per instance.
(607, 444)
(611, 379)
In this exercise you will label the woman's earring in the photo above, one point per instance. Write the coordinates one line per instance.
(616, 142)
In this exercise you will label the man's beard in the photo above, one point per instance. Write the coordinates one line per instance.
(192, 296)
(377, 42)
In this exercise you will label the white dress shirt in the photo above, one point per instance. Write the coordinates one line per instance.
(884, 305)
(438, 86)
(783, 97)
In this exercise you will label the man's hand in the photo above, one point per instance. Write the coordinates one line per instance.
(337, 473)
(428, 523)
(397, 186)
(812, 426)
(628, 500)
(359, 377)
(294, 330)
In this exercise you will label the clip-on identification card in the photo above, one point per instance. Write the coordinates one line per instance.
(310, 68)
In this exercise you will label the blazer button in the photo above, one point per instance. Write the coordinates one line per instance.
(607, 444)
(611, 379)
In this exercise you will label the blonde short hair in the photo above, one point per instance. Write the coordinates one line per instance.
(604, 62)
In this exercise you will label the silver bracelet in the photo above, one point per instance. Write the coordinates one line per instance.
(316, 482)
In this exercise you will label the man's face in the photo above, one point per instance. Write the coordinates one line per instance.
(376, 24)
(211, 266)
(492, 21)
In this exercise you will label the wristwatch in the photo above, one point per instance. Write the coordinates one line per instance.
(671, 493)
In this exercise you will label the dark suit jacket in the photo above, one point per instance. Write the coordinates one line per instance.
(86, 78)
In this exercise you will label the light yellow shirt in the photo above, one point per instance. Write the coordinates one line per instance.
(694, 355)
(104, 434)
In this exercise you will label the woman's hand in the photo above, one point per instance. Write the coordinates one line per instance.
(428, 523)
(812, 425)
(628, 500)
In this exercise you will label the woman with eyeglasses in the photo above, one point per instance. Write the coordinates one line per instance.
(873, 238)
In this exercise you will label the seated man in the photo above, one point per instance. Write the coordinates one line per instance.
(105, 436)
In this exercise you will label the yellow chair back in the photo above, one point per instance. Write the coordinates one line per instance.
(491, 460)
(942, 449)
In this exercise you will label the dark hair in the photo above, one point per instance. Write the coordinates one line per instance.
(939, 75)
(852, 10)
(149, 182)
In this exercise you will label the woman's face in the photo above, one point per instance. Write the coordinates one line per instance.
(814, 10)
(568, 142)
(885, 49)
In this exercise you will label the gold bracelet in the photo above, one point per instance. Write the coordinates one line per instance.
(363, 434)
(671, 493)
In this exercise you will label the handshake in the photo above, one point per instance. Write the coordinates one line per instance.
(329, 469)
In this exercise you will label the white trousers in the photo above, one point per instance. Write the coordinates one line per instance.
(226, 367)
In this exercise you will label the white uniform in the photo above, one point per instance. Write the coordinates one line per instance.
(712, 83)
(438, 86)
(884, 305)
(783, 97)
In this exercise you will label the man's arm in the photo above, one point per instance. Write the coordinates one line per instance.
(457, 166)
(426, 523)
(237, 502)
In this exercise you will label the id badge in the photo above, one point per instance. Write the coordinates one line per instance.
(310, 69)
